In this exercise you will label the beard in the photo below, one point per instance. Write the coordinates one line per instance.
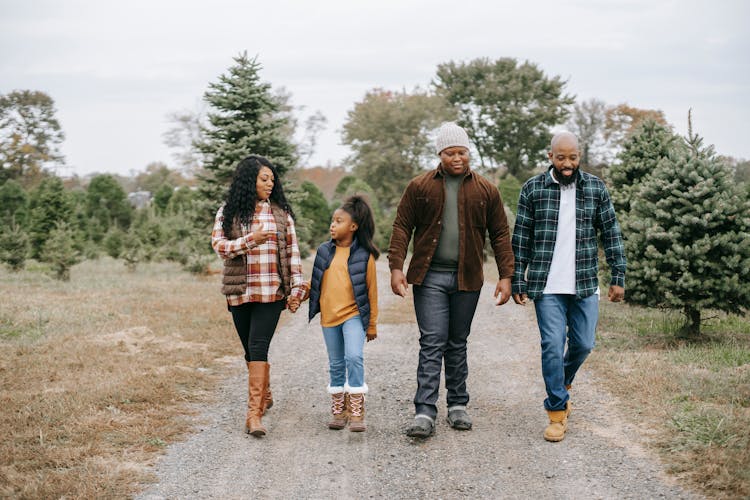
(565, 180)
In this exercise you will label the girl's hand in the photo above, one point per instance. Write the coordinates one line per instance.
(293, 304)
(371, 336)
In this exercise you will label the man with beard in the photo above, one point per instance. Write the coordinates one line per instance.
(560, 214)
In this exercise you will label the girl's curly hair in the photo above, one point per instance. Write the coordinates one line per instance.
(242, 195)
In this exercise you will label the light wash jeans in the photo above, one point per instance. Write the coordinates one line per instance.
(345, 343)
(561, 317)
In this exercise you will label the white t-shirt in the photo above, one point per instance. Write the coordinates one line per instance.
(562, 271)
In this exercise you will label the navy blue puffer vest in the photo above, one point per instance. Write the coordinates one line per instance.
(358, 258)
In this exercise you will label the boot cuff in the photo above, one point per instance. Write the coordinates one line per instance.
(335, 390)
(355, 390)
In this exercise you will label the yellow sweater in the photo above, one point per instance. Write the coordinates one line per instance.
(337, 295)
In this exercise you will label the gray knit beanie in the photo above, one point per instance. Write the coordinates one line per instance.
(449, 135)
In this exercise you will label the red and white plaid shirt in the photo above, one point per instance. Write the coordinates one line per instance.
(263, 279)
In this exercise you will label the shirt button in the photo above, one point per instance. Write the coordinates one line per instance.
(434, 240)
(439, 222)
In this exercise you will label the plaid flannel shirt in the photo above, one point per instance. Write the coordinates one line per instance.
(535, 233)
(263, 278)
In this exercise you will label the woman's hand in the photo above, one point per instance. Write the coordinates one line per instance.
(293, 304)
(372, 336)
(260, 233)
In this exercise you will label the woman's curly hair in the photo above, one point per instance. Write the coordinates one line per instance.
(242, 195)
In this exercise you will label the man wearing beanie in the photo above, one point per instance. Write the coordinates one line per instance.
(448, 211)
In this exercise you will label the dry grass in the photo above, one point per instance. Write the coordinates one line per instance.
(96, 373)
(695, 398)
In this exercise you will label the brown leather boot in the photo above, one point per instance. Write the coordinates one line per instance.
(269, 397)
(356, 407)
(256, 394)
(558, 424)
(339, 414)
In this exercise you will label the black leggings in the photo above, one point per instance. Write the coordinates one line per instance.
(256, 323)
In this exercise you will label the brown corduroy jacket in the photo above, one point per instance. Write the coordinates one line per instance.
(480, 211)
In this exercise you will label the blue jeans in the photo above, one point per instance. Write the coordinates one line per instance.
(345, 343)
(561, 317)
(444, 316)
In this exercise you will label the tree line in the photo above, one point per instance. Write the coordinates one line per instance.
(509, 108)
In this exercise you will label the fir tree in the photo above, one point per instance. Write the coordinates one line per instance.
(245, 118)
(688, 237)
(638, 158)
(14, 247)
(49, 206)
(60, 251)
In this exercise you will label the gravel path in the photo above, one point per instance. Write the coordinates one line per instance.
(504, 456)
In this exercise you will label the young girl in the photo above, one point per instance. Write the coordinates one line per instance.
(344, 290)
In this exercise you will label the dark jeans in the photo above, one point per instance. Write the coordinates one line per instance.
(444, 315)
(256, 323)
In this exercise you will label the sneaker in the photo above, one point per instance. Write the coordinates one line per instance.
(422, 427)
(458, 418)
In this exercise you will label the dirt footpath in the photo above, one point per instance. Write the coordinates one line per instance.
(504, 456)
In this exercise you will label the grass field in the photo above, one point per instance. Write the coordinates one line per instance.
(96, 373)
(694, 398)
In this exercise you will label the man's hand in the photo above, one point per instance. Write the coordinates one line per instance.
(502, 291)
(398, 282)
(520, 298)
(372, 336)
(616, 293)
(260, 233)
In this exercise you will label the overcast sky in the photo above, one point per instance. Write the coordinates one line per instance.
(117, 69)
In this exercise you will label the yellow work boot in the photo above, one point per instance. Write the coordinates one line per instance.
(558, 424)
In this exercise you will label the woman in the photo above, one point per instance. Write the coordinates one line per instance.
(254, 234)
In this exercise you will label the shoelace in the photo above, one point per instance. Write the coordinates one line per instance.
(337, 405)
(355, 405)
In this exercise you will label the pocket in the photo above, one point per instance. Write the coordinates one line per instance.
(478, 213)
(426, 208)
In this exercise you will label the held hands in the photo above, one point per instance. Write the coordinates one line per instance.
(520, 298)
(260, 233)
(399, 286)
(502, 291)
(616, 293)
(293, 304)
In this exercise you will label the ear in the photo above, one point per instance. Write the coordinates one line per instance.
(549, 155)
(354, 226)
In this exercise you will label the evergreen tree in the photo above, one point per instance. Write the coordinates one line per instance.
(107, 202)
(688, 237)
(49, 205)
(60, 250)
(14, 247)
(651, 142)
(245, 118)
(314, 208)
(14, 204)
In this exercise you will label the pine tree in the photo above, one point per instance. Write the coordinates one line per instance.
(688, 237)
(245, 118)
(49, 206)
(14, 247)
(60, 251)
(638, 158)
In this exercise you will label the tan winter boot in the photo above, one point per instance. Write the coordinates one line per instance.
(356, 407)
(339, 415)
(255, 400)
(558, 424)
(269, 397)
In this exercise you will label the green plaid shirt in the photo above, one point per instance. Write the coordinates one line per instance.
(535, 233)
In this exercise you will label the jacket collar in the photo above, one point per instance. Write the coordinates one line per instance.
(438, 172)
